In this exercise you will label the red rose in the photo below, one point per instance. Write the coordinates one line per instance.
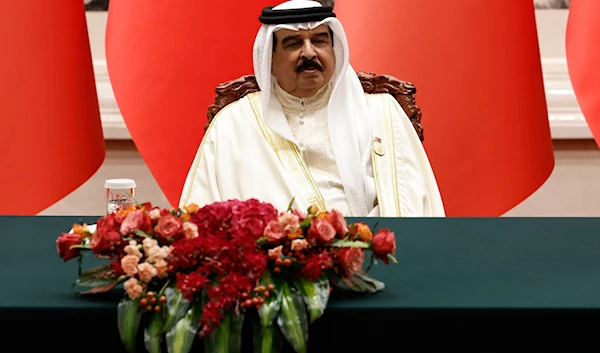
(351, 261)
(274, 231)
(339, 223)
(111, 221)
(168, 226)
(252, 216)
(64, 242)
(106, 242)
(321, 230)
(146, 206)
(136, 220)
(384, 243)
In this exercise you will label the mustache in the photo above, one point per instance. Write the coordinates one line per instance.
(307, 64)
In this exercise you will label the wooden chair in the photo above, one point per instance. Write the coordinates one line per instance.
(404, 92)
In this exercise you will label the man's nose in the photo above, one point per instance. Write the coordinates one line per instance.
(308, 50)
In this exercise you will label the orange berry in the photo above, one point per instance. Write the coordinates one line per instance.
(271, 287)
(276, 270)
(163, 299)
(287, 262)
(266, 294)
(157, 308)
(144, 302)
(149, 308)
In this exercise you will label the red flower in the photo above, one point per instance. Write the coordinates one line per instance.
(274, 231)
(116, 269)
(64, 242)
(190, 284)
(254, 265)
(168, 226)
(315, 264)
(251, 217)
(350, 261)
(384, 243)
(214, 216)
(135, 220)
(146, 207)
(339, 223)
(107, 240)
(321, 230)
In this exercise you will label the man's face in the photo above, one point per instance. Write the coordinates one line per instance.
(303, 61)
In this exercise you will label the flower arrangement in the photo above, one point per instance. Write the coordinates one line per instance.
(198, 271)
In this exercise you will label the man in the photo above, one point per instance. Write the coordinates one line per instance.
(312, 134)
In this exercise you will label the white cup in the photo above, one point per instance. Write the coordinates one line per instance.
(120, 194)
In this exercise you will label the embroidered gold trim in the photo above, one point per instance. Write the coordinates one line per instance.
(392, 157)
(383, 158)
(290, 157)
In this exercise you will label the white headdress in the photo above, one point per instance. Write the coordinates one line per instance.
(347, 115)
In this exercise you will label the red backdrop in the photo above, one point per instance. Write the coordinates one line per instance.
(51, 136)
(476, 66)
(164, 62)
(583, 58)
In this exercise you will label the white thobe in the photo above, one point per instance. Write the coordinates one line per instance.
(241, 158)
(307, 118)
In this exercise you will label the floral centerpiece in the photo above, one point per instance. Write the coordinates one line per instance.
(197, 272)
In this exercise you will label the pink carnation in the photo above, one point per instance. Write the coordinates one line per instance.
(133, 289)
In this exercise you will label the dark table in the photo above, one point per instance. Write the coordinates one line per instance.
(485, 285)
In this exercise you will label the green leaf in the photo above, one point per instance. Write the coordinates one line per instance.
(152, 334)
(261, 241)
(266, 339)
(306, 222)
(175, 307)
(80, 246)
(289, 208)
(141, 233)
(350, 244)
(98, 276)
(292, 319)
(128, 321)
(392, 258)
(315, 294)
(181, 336)
(269, 310)
(235, 332)
(361, 282)
(227, 337)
